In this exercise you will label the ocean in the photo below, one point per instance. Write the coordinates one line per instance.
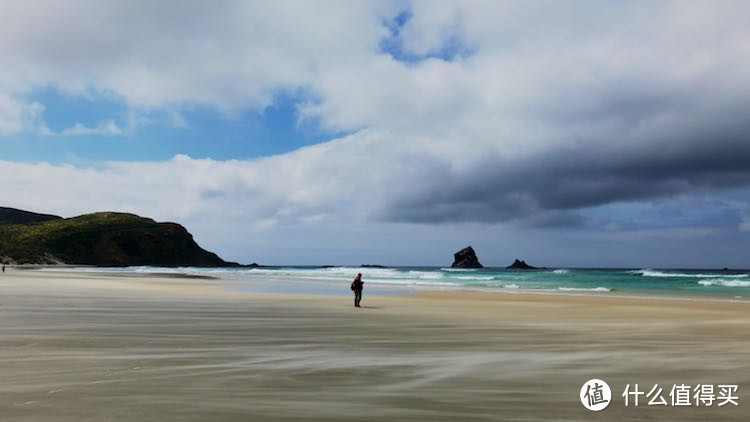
(733, 284)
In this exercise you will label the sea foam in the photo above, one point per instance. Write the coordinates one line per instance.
(654, 273)
(579, 289)
(724, 282)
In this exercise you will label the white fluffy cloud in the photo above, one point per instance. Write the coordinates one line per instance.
(230, 54)
(107, 128)
(17, 116)
(526, 63)
(322, 182)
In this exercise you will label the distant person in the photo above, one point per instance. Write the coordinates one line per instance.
(3, 267)
(357, 286)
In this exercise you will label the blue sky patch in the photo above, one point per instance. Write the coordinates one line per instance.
(452, 49)
(201, 132)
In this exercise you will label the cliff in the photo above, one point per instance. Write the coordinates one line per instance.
(101, 239)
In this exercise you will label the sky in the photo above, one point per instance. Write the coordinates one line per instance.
(567, 133)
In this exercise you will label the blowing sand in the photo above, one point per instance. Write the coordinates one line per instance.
(78, 347)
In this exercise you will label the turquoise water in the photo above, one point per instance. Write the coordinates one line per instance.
(644, 281)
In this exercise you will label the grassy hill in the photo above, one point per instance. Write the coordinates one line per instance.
(103, 239)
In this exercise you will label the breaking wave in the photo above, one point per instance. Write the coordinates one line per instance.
(581, 289)
(654, 273)
(724, 282)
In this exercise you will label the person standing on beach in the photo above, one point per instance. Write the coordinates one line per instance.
(357, 286)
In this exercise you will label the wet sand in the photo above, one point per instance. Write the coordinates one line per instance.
(80, 347)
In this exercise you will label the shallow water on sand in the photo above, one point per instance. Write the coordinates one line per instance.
(732, 284)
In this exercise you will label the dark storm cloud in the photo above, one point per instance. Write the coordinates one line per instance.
(698, 149)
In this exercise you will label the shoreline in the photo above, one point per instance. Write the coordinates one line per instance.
(246, 285)
(222, 288)
(83, 346)
(228, 288)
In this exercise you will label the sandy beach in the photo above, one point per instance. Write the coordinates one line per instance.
(92, 347)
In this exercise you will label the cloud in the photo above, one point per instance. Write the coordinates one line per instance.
(266, 209)
(231, 55)
(106, 128)
(359, 178)
(694, 154)
(550, 113)
(745, 224)
(17, 115)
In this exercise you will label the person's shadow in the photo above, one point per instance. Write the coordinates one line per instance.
(369, 307)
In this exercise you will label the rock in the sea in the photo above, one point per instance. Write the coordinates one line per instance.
(520, 265)
(466, 258)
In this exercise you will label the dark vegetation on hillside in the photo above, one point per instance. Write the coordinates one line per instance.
(102, 239)
(14, 216)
